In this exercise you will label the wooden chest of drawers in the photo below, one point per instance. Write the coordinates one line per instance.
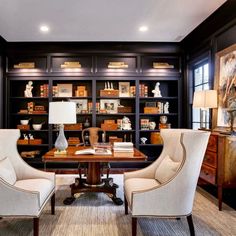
(219, 164)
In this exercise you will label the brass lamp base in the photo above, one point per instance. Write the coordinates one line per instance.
(58, 152)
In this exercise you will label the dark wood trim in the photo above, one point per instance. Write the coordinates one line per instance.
(36, 226)
(53, 204)
(134, 226)
(126, 205)
(190, 224)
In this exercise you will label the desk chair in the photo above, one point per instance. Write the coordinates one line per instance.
(94, 138)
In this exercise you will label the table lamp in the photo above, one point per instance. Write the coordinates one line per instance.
(204, 100)
(62, 113)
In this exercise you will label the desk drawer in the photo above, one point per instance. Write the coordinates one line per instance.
(208, 174)
(212, 143)
(210, 159)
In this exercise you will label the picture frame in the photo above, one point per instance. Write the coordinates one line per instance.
(110, 105)
(225, 84)
(65, 90)
(81, 105)
(150, 104)
(124, 89)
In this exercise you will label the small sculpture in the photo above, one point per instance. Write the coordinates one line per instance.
(143, 140)
(25, 137)
(152, 125)
(28, 90)
(31, 136)
(126, 124)
(163, 119)
(166, 107)
(156, 91)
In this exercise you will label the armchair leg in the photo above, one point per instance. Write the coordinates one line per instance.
(53, 204)
(190, 225)
(134, 226)
(36, 226)
(126, 205)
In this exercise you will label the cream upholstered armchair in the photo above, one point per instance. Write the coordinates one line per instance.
(167, 187)
(24, 191)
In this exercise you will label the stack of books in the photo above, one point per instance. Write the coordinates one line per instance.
(123, 149)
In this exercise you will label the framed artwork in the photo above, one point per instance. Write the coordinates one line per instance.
(81, 105)
(225, 84)
(124, 89)
(64, 90)
(110, 105)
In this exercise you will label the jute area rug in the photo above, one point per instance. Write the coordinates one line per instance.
(94, 214)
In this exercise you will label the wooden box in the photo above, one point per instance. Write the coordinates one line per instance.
(124, 109)
(23, 127)
(109, 93)
(78, 126)
(22, 141)
(72, 141)
(151, 110)
(107, 122)
(109, 126)
(39, 108)
(35, 141)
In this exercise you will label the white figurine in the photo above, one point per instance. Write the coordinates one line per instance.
(25, 137)
(126, 124)
(156, 91)
(166, 107)
(143, 140)
(31, 136)
(28, 89)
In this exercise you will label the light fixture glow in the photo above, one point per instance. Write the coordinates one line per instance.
(44, 28)
(143, 28)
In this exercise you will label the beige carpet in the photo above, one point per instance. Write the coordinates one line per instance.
(96, 215)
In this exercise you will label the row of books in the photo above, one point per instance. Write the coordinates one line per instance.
(44, 90)
(143, 90)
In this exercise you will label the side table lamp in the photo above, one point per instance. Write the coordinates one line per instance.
(204, 100)
(62, 113)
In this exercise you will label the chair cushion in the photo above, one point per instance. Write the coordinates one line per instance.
(138, 184)
(166, 169)
(7, 171)
(43, 186)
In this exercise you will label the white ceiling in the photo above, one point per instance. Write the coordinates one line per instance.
(103, 20)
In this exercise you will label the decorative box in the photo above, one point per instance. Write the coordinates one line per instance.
(39, 108)
(151, 110)
(35, 141)
(22, 141)
(23, 127)
(109, 93)
(78, 126)
(124, 109)
(113, 139)
(109, 126)
(72, 141)
(109, 122)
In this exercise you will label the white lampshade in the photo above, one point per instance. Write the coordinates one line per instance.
(62, 113)
(205, 99)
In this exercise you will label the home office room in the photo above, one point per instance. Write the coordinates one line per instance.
(117, 118)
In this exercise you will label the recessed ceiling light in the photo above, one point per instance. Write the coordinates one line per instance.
(143, 28)
(44, 28)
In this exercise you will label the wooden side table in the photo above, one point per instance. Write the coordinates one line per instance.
(219, 164)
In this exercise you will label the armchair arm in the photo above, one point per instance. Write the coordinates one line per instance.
(18, 202)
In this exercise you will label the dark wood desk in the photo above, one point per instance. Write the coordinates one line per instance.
(93, 182)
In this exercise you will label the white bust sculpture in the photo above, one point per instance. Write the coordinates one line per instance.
(126, 124)
(166, 107)
(28, 90)
(156, 91)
